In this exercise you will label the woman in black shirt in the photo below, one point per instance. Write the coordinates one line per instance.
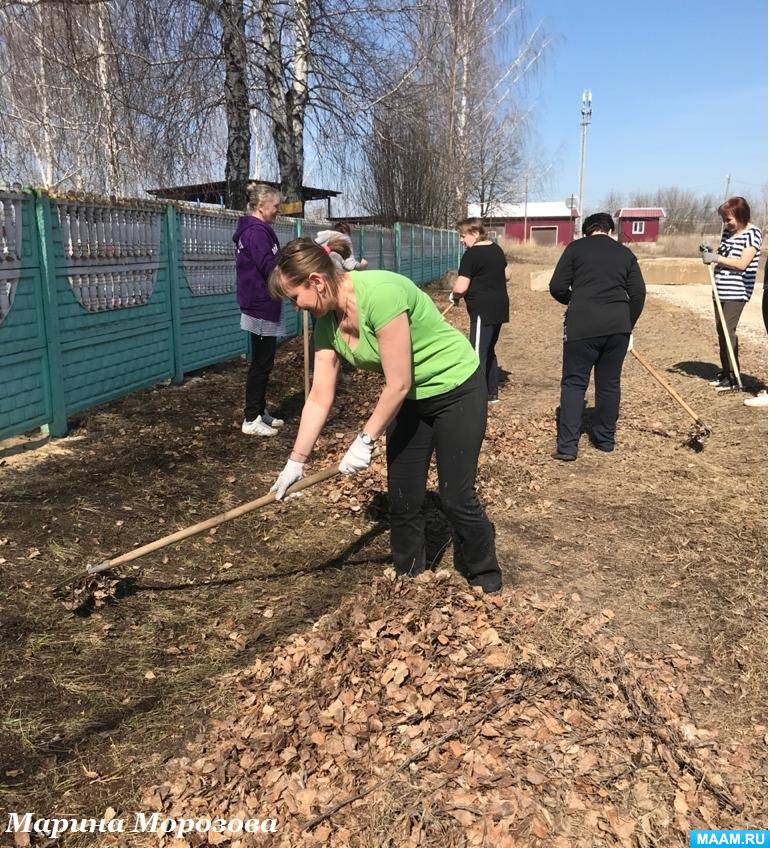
(481, 280)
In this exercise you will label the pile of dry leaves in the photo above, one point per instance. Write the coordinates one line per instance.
(421, 713)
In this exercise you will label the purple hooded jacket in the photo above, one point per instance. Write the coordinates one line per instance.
(256, 253)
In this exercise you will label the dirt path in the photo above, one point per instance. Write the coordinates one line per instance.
(672, 541)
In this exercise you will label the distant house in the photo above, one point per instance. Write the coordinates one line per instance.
(540, 222)
(639, 223)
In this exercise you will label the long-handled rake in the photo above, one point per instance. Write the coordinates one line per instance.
(700, 431)
(202, 526)
(721, 314)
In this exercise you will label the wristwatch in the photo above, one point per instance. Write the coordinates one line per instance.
(367, 440)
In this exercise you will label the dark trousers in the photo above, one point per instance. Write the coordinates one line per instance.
(484, 337)
(732, 310)
(262, 360)
(453, 424)
(764, 308)
(605, 355)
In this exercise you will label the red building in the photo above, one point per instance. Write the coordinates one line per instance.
(540, 222)
(638, 223)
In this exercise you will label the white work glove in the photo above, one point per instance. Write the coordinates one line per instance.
(292, 472)
(630, 343)
(707, 254)
(453, 298)
(358, 457)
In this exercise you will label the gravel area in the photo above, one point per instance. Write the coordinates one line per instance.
(698, 298)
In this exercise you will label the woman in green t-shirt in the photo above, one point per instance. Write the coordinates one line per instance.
(434, 398)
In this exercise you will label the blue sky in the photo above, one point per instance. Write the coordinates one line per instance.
(679, 90)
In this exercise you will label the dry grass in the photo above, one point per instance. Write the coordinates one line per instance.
(675, 246)
(527, 252)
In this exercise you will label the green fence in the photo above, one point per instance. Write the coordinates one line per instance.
(99, 298)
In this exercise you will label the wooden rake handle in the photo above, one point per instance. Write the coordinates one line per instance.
(667, 386)
(202, 526)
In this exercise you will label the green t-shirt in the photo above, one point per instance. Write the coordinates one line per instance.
(442, 358)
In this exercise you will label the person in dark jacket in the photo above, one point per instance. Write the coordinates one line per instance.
(603, 288)
(256, 254)
(481, 280)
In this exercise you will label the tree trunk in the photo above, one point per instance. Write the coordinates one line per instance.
(105, 95)
(45, 156)
(230, 14)
(288, 103)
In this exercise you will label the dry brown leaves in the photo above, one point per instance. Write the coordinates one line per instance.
(459, 719)
(91, 592)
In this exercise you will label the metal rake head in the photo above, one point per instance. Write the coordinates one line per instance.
(696, 438)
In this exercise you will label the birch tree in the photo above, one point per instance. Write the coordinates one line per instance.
(237, 108)
(106, 96)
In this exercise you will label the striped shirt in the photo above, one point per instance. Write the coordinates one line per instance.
(733, 284)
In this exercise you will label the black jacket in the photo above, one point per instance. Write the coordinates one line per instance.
(601, 284)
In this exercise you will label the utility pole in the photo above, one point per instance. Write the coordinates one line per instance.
(727, 187)
(526, 186)
(585, 120)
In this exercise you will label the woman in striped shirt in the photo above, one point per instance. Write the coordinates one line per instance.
(736, 262)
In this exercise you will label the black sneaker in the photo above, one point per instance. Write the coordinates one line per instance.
(564, 457)
(721, 377)
(493, 399)
(727, 386)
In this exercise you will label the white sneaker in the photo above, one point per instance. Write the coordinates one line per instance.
(271, 420)
(257, 427)
(759, 400)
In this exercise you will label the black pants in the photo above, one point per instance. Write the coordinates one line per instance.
(605, 355)
(262, 360)
(764, 308)
(484, 337)
(732, 310)
(453, 424)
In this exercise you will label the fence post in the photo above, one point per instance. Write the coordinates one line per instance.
(361, 233)
(382, 247)
(411, 251)
(299, 316)
(44, 232)
(397, 247)
(173, 230)
(422, 255)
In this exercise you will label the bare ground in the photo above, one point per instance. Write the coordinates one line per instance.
(673, 541)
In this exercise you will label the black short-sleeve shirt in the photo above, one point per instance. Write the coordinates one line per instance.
(487, 295)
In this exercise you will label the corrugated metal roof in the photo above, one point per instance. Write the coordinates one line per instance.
(535, 209)
(640, 212)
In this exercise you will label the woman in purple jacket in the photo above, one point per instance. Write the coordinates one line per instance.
(256, 253)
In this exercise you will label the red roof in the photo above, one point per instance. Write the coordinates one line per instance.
(640, 212)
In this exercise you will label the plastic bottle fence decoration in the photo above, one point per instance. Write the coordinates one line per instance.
(207, 252)
(10, 244)
(111, 252)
